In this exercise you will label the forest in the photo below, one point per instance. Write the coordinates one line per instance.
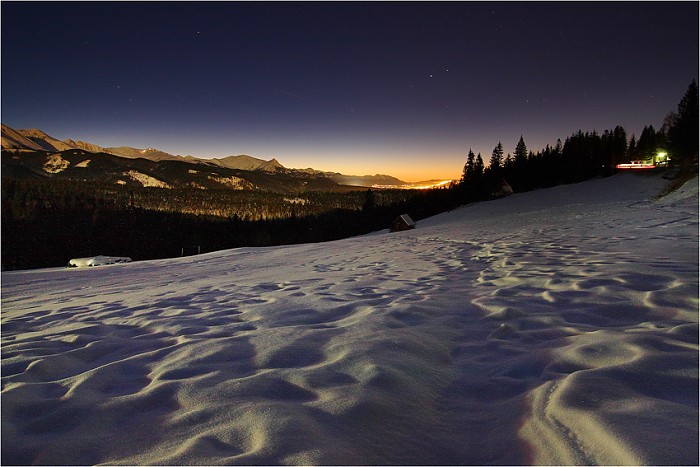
(46, 222)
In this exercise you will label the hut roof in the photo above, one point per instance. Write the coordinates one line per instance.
(403, 222)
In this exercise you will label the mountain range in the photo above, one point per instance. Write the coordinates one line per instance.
(33, 153)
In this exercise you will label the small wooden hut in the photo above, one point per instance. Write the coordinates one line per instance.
(501, 190)
(403, 222)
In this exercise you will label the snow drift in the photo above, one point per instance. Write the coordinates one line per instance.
(552, 327)
(98, 260)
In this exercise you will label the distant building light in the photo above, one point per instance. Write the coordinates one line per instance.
(661, 159)
(636, 165)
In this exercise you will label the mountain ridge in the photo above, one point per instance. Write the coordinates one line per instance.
(37, 140)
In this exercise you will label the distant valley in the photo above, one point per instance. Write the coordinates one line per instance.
(34, 154)
(64, 199)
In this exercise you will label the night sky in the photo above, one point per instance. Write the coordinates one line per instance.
(359, 88)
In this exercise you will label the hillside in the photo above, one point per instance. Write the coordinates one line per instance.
(82, 166)
(558, 326)
(13, 139)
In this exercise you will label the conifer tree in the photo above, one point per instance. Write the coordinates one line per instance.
(619, 144)
(520, 152)
(478, 167)
(508, 162)
(683, 133)
(496, 161)
(468, 172)
(632, 148)
(646, 146)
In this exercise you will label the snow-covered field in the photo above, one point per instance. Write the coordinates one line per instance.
(552, 327)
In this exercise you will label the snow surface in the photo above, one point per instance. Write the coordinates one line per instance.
(235, 183)
(99, 260)
(146, 180)
(552, 327)
(55, 164)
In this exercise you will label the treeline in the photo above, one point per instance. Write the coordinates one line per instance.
(581, 157)
(46, 223)
(24, 196)
(584, 155)
(252, 205)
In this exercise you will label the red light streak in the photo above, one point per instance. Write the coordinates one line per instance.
(635, 166)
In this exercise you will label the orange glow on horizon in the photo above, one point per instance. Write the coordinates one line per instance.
(411, 173)
(419, 186)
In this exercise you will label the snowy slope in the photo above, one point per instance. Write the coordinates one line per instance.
(553, 327)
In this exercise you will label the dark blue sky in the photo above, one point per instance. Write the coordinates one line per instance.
(398, 88)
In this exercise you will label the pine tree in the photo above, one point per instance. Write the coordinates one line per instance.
(619, 144)
(468, 172)
(508, 162)
(478, 167)
(632, 148)
(520, 153)
(496, 161)
(646, 146)
(683, 133)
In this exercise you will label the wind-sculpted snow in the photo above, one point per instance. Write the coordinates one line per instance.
(553, 327)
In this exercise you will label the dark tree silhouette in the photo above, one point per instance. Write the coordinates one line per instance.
(520, 157)
(468, 172)
(631, 149)
(613, 147)
(647, 144)
(619, 145)
(683, 131)
(496, 162)
(471, 185)
(508, 162)
(370, 201)
(478, 167)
